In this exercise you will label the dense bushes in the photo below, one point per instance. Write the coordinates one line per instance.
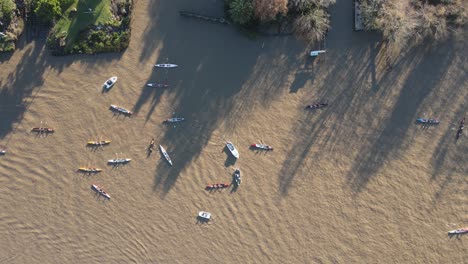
(309, 18)
(7, 8)
(96, 41)
(400, 21)
(47, 10)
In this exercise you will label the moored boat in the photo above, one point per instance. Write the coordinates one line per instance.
(2, 152)
(158, 85)
(166, 156)
(261, 146)
(166, 65)
(458, 231)
(110, 82)
(100, 191)
(232, 149)
(121, 110)
(237, 177)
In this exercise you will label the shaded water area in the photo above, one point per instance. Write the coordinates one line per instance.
(357, 181)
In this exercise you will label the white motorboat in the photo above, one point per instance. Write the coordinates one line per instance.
(232, 149)
(204, 215)
(2, 152)
(166, 156)
(109, 83)
(166, 65)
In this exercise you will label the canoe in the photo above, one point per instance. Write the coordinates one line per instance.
(42, 129)
(232, 149)
(99, 143)
(89, 170)
(100, 191)
(167, 65)
(110, 82)
(121, 110)
(261, 146)
(158, 85)
(166, 156)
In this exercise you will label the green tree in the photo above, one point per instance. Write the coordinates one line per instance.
(6, 10)
(48, 10)
(241, 11)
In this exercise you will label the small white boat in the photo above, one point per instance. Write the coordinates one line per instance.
(167, 65)
(204, 215)
(158, 85)
(119, 161)
(232, 149)
(458, 231)
(121, 110)
(261, 146)
(100, 191)
(315, 53)
(2, 152)
(109, 83)
(166, 156)
(174, 120)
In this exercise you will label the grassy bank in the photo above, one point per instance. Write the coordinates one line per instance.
(92, 26)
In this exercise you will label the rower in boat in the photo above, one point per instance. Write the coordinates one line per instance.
(317, 106)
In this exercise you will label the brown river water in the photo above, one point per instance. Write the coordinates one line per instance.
(356, 182)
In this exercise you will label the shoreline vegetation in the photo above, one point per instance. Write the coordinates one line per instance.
(402, 22)
(11, 24)
(308, 20)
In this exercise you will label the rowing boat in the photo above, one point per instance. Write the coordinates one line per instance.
(158, 85)
(217, 186)
(166, 156)
(99, 143)
(166, 65)
(110, 82)
(43, 130)
(119, 161)
(121, 110)
(237, 177)
(460, 128)
(100, 191)
(174, 120)
(261, 146)
(317, 106)
(232, 149)
(458, 231)
(89, 170)
(428, 121)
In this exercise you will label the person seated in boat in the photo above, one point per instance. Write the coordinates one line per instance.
(109, 82)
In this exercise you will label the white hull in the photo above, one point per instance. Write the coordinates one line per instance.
(100, 191)
(232, 149)
(109, 83)
(166, 156)
(167, 65)
(118, 161)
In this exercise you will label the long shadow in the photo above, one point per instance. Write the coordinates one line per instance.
(420, 83)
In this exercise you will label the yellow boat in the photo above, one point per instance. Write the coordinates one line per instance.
(89, 170)
(99, 143)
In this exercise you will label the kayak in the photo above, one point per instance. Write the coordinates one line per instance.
(261, 146)
(118, 161)
(121, 110)
(99, 143)
(204, 215)
(232, 149)
(110, 82)
(100, 191)
(43, 130)
(237, 177)
(89, 170)
(458, 231)
(174, 120)
(158, 85)
(166, 156)
(428, 121)
(217, 186)
(167, 65)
